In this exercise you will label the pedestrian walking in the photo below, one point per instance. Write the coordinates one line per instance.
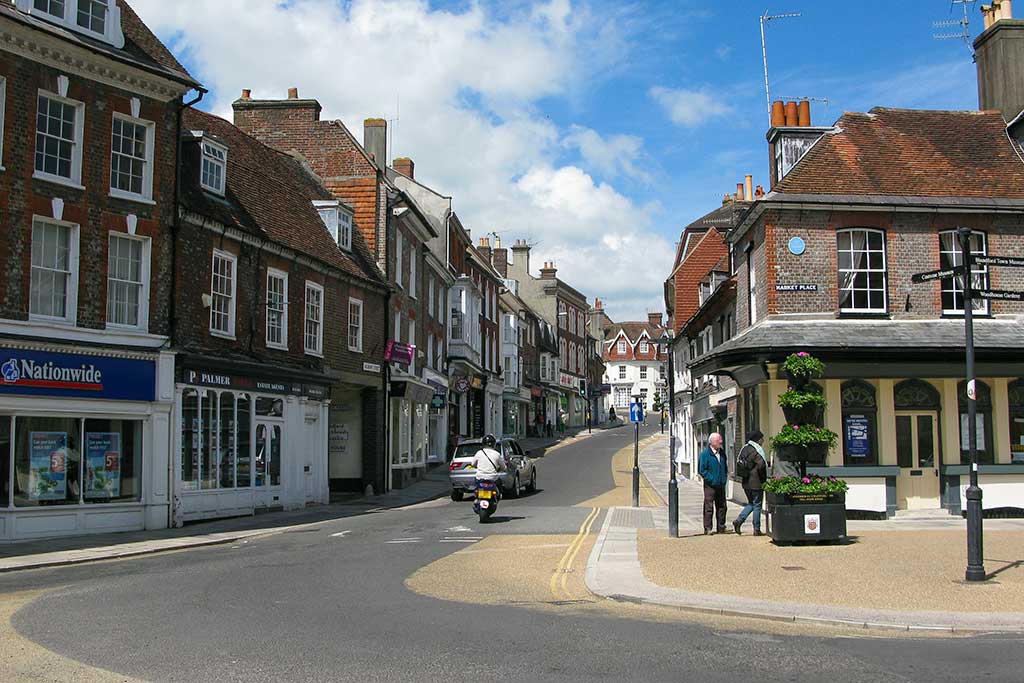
(752, 467)
(714, 470)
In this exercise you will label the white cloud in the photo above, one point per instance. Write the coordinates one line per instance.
(612, 155)
(689, 107)
(471, 85)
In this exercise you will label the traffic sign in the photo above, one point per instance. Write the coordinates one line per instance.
(999, 294)
(1011, 261)
(636, 412)
(940, 274)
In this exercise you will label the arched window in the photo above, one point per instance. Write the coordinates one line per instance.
(1016, 396)
(860, 423)
(915, 394)
(983, 420)
(860, 258)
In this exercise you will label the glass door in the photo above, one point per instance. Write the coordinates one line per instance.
(917, 453)
(268, 454)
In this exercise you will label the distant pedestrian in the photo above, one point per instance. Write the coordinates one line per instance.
(714, 470)
(752, 466)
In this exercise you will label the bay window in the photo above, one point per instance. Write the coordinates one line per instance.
(862, 271)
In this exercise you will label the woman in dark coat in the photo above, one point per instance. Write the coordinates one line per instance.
(753, 481)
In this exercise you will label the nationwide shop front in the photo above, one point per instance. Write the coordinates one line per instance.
(83, 439)
(247, 437)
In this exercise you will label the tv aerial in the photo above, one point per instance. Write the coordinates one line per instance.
(964, 23)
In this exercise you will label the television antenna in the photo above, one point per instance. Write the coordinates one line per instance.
(393, 126)
(964, 23)
(823, 100)
(765, 18)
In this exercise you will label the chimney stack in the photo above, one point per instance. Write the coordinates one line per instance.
(803, 113)
(548, 271)
(293, 93)
(404, 166)
(748, 188)
(375, 140)
(520, 261)
(792, 119)
(484, 247)
(500, 258)
(998, 53)
(759, 192)
(778, 114)
(598, 305)
(654, 319)
(739, 192)
(246, 94)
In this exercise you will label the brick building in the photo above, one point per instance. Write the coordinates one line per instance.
(396, 231)
(89, 108)
(823, 263)
(277, 343)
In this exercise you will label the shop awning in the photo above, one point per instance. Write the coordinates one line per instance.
(412, 389)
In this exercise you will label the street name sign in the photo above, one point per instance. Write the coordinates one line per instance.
(1011, 261)
(940, 274)
(999, 294)
(636, 412)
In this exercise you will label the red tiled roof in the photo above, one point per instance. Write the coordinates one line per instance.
(910, 152)
(269, 193)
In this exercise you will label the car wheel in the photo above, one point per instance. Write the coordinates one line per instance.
(457, 495)
(514, 491)
(532, 486)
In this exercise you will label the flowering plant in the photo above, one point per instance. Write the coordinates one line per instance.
(800, 399)
(812, 483)
(803, 364)
(803, 435)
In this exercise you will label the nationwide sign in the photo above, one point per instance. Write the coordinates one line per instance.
(999, 294)
(1011, 261)
(41, 373)
(937, 274)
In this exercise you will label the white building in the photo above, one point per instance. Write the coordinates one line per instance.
(635, 365)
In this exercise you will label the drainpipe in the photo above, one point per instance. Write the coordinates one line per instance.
(172, 321)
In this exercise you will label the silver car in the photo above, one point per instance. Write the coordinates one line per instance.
(520, 471)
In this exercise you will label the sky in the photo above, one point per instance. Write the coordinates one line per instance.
(597, 130)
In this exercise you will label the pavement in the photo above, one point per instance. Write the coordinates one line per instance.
(633, 560)
(52, 552)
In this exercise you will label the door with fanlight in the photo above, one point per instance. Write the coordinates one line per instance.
(917, 453)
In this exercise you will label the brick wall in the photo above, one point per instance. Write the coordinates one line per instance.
(92, 209)
(708, 251)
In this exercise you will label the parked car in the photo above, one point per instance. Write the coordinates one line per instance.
(520, 471)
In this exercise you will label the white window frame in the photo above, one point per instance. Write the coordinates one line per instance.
(358, 346)
(111, 34)
(398, 327)
(144, 274)
(329, 215)
(865, 269)
(318, 349)
(643, 372)
(147, 172)
(622, 372)
(398, 258)
(751, 288)
(75, 180)
(223, 163)
(70, 316)
(3, 108)
(953, 285)
(413, 254)
(412, 344)
(274, 273)
(430, 295)
(344, 229)
(645, 347)
(232, 301)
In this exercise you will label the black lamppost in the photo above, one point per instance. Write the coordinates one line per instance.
(673, 483)
(636, 456)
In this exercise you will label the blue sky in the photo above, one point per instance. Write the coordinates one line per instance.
(597, 130)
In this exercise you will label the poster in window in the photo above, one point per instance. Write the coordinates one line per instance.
(102, 464)
(858, 443)
(48, 457)
(979, 421)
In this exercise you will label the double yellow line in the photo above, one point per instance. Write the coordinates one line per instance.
(560, 578)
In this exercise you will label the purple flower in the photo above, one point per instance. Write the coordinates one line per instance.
(796, 426)
(803, 354)
(806, 480)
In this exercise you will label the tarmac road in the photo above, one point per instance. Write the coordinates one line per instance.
(336, 602)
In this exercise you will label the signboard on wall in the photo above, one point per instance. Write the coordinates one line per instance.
(205, 377)
(857, 434)
(399, 352)
(70, 375)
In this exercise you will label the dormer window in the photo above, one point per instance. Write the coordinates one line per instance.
(338, 221)
(214, 169)
(96, 18)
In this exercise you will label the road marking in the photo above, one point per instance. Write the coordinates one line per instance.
(579, 546)
(570, 552)
(458, 529)
(341, 534)
(404, 540)
(460, 540)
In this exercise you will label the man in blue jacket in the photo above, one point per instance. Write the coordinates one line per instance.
(714, 470)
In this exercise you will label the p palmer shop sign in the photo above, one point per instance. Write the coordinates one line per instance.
(70, 375)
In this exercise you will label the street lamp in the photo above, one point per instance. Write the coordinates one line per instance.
(673, 483)
(636, 455)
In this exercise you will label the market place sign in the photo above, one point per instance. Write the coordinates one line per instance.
(70, 375)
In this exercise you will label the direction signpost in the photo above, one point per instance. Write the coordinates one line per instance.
(975, 533)
(636, 416)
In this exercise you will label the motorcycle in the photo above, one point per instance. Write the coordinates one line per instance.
(487, 496)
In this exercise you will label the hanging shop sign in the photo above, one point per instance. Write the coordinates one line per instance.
(399, 352)
(102, 465)
(460, 385)
(40, 373)
(222, 380)
(568, 381)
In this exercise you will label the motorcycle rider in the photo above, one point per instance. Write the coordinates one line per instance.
(488, 462)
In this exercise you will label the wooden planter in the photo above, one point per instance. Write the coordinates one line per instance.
(807, 517)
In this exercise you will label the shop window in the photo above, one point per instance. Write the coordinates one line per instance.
(419, 426)
(751, 409)
(860, 423)
(215, 444)
(190, 439)
(5, 460)
(47, 461)
(950, 255)
(267, 406)
(401, 418)
(268, 455)
(1016, 400)
(983, 420)
(226, 440)
(112, 461)
(243, 459)
(208, 447)
(862, 273)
